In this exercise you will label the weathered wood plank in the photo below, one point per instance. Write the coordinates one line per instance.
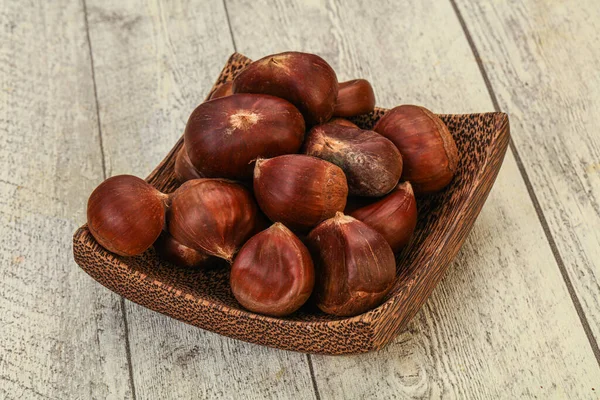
(61, 335)
(501, 324)
(154, 63)
(542, 61)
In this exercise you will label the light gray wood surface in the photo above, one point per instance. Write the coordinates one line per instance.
(502, 324)
(543, 59)
(61, 334)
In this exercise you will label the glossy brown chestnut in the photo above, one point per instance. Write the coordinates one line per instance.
(428, 150)
(355, 97)
(394, 216)
(226, 89)
(125, 214)
(176, 253)
(213, 215)
(354, 266)
(299, 191)
(273, 273)
(184, 170)
(224, 136)
(372, 163)
(306, 80)
(342, 121)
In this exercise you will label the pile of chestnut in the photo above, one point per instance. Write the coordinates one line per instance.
(266, 177)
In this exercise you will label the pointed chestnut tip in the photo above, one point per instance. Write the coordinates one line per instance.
(406, 186)
(342, 218)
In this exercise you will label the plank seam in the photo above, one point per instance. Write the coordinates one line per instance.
(104, 175)
(312, 377)
(229, 25)
(532, 195)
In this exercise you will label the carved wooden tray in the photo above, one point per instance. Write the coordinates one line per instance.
(203, 298)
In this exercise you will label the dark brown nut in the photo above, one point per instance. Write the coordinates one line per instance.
(306, 80)
(125, 214)
(394, 216)
(371, 162)
(212, 215)
(342, 121)
(354, 266)
(273, 273)
(428, 150)
(355, 97)
(224, 136)
(299, 191)
(184, 170)
(226, 89)
(178, 254)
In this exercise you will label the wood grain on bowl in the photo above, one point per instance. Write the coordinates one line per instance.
(203, 298)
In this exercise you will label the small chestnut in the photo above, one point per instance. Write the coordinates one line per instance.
(184, 170)
(178, 254)
(372, 163)
(212, 215)
(273, 273)
(224, 136)
(342, 121)
(226, 89)
(299, 191)
(125, 214)
(306, 80)
(394, 216)
(354, 266)
(427, 147)
(354, 97)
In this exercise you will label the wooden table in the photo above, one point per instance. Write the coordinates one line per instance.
(90, 89)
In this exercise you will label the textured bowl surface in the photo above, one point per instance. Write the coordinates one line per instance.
(203, 298)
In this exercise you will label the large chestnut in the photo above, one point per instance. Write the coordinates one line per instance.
(224, 136)
(355, 97)
(394, 216)
(299, 191)
(213, 215)
(273, 273)
(226, 89)
(372, 163)
(184, 170)
(178, 254)
(427, 147)
(306, 80)
(125, 214)
(354, 266)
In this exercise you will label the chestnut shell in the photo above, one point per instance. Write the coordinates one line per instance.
(224, 136)
(273, 273)
(299, 191)
(125, 214)
(212, 215)
(394, 216)
(355, 97)
(226, 89)
(427, 147)
(178, 254)
(306, 80)
(371, 162)
(184, 170)
(354, 266)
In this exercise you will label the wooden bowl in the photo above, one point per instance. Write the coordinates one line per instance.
(203, 298)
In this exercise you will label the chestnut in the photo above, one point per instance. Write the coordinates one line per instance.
(178, 254)
(372, 163)
(224, 136)
(306, 80)
(427, 147)
(342, 121)
(354, 97)
(184, 170)
(125, 214)
(299, 191)
(394, 216)
(226, 89)
(354, 266)
(212, 215)
(273, 273)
